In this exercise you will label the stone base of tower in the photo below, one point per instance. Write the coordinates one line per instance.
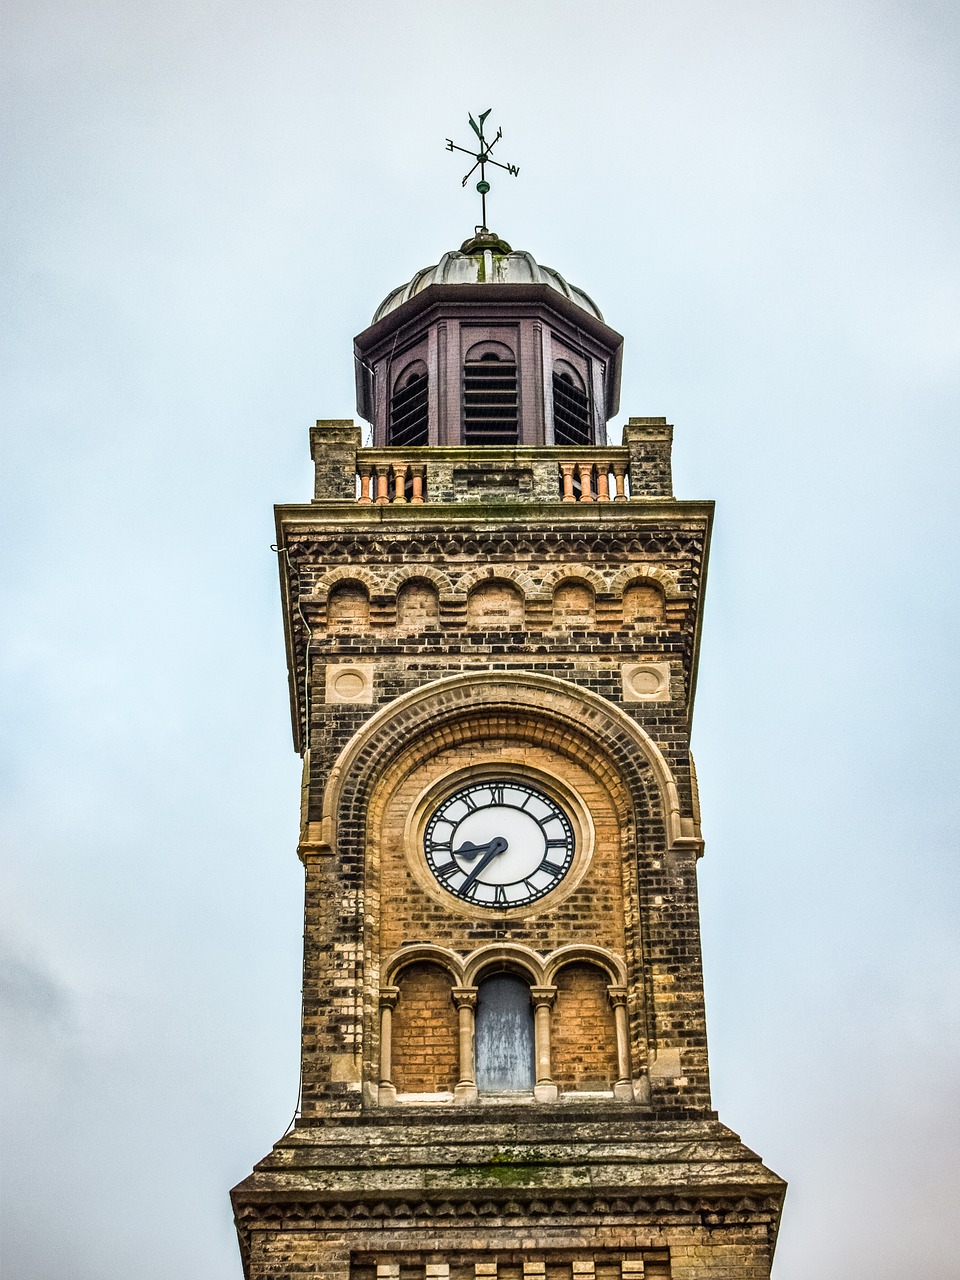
(487, 1193)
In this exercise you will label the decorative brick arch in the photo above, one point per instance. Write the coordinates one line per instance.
(644, 573)
(423, 953)
(573, 573)
(345, 573)
(504, 953)
(580, 713)
(397, 578)
(518, 578)
(577, 953)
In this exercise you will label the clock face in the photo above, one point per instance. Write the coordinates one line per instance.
(499, 844)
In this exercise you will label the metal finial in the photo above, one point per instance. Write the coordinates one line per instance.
(482, 159)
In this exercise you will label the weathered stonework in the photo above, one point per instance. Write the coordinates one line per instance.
(533, 613)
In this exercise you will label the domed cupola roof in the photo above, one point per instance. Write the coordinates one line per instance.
(486, 259)
(488, 347)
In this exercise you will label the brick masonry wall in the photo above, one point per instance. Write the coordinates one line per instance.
(583, 1033)
(648, 1264)
(425, 593)
(529, 630)
(679, 1252)
(425, 1052)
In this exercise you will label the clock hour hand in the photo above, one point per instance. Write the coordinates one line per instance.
(488, 851)
(470, 851)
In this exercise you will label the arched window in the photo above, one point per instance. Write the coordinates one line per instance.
(571, 406)
(504, 1035)
(408, 407)
(490, 403)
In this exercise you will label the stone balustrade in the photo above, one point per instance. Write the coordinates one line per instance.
(383, 478)
(491, 474)
(594, 475)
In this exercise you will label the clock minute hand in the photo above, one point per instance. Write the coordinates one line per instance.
(495, 847)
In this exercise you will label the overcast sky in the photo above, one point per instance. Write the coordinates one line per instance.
(205, 201)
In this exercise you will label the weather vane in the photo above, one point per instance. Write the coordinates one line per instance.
(482, 158)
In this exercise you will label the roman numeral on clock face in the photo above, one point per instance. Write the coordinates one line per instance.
(556, 853)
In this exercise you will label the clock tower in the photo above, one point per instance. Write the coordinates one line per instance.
(492, 623)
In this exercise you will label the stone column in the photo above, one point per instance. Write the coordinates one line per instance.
(623, 1088)
(387, 1092)
(465, 998)
(543, 997)
(400, 481)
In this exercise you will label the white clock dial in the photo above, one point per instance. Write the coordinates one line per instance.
(499, 844)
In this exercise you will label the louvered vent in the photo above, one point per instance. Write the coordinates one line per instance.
(490, 401)
(408, 411)
(571, 411)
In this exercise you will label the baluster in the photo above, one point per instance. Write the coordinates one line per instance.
(383, 480)
(418, 484)
(567, 469)
(365, 478)
(619, 472)
(603, 481)
(586, 483)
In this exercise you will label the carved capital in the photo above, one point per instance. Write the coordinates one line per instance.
(464, 997)
(618, 995)
(543, 996)
(389, 997)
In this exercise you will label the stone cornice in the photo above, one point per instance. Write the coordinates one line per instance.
(263, 1208)
(336, 513)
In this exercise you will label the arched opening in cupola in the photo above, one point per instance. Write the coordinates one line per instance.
(409, 422)
(571, 406)
(490, 400)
